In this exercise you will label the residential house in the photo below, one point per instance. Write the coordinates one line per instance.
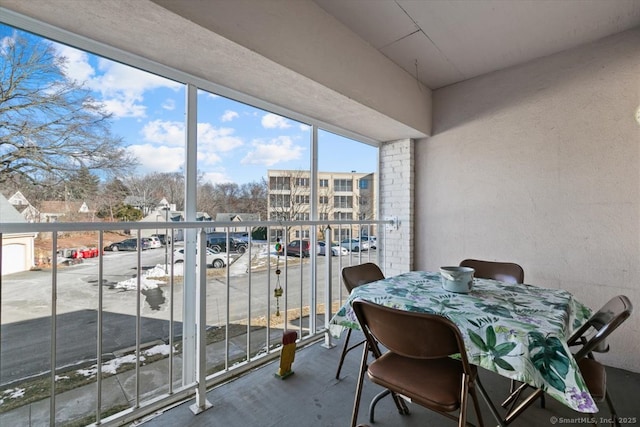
(18, 250)
(56, 210)
(161, 215)
(26, 209)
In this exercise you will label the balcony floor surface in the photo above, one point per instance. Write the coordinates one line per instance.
(313, 397)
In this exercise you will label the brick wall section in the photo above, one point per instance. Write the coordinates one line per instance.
(397, 200)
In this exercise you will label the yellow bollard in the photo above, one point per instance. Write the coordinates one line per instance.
(287, 354)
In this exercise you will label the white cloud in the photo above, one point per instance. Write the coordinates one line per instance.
(164, 133)
(121, 87)
(77, 65)
(169, 104)
(280, 149)
(229, 115)
(164, 148)
(216, 177)
(304, 128)
(273, 121)
(211, 138)
(158, 158)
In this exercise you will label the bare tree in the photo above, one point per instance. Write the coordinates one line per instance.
(226, 196)
(206, 199)
(253, 198)
(49, 124)
(111, 199)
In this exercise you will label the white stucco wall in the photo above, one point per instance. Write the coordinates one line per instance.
(540, 165)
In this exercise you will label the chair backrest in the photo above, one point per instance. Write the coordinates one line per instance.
(357, 275)
(603, 322)
(504, 271)
(410, 334)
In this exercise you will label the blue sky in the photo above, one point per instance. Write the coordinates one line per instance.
(236, 142)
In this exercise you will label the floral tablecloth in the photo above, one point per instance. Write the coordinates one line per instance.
(518, 331)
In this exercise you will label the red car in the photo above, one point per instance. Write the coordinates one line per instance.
(299, 248)
(88, 253)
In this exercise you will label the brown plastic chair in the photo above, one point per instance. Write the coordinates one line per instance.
(508, 272)
(417, 364)
(353, 277)
(503, 271)
(592, 338)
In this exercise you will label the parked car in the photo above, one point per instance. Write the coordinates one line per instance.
(355, 245)
(165, 239)
(372, 240)
(336, 249)
(299, 248)
(153, 242)
(219, 244)
(126, 245)
(88, 252)
(215, 260)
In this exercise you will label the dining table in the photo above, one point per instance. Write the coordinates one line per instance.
(519, 331)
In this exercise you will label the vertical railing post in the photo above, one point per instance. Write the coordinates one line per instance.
(138, 315)
(54, 325)
(99, 327)
(190, 211)
(327, 293)
(201, 331)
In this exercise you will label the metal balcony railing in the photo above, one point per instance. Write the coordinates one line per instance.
(167, 307)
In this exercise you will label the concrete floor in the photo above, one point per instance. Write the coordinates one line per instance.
(313, 397)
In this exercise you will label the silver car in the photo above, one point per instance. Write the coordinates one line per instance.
(336, 249)
(215, 260)
(355, 245)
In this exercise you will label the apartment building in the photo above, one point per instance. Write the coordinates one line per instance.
(341, 196)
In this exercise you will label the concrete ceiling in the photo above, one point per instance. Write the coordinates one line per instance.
(320, 58)
(445, 42)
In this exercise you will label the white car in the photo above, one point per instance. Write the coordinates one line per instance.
(355, 245)
(153, 242)
(215, 260)
(336, 250)
(373, 241)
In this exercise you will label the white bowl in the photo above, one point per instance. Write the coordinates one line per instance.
(457, 279)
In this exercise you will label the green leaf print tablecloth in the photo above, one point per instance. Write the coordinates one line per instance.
(518, 331)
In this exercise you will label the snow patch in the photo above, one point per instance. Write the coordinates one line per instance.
(14, 393)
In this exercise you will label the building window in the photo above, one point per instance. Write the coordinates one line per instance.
(302, 200)
(343, 202)
(324, 200)
(324, 183)
(324, 216)
(343, 184)
(302, 182)
(280, 200)
(342, 216)
(280, 183)
(303, 216)
(363, 184)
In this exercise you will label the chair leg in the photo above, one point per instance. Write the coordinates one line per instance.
(374, 401)
(356, 402)
(344, 353)
(612, 410)
(464, 397)
(476, 405)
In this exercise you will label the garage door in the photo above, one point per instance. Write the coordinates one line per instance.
(13, 259)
